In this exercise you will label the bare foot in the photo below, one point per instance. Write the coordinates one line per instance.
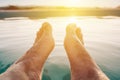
(83, 66)
(29, 67)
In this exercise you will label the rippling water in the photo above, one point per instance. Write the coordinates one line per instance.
(101, 36)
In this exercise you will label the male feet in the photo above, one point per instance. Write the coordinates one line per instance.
(82, 65)
(29, 67)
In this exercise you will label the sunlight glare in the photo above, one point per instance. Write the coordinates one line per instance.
(72, 20)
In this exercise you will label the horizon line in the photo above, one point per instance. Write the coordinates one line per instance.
(58, 6)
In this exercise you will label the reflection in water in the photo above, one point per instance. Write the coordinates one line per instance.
(101, 38)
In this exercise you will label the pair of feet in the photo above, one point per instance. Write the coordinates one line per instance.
(29, 67)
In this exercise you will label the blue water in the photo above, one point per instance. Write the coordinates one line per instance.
(101, 36)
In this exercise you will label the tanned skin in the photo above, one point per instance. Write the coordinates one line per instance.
(29, 66)
(82, 65)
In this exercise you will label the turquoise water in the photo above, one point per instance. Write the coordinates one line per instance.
(101, 36)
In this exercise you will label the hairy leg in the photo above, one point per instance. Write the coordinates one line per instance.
(83, 66)
(29, 66)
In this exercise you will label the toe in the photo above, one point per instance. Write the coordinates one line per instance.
(79, 35)
(47, 27)
(71, 28)
(39, 34)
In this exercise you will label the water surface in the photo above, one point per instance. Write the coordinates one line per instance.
(101, 37)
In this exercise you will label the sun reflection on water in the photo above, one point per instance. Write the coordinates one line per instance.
(72, 20)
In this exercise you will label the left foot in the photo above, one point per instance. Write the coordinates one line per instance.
(44, 42)
(32, 62)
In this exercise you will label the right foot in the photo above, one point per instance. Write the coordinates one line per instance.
(82, 65)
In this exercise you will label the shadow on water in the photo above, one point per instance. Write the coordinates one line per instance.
(4, 67)
(111, 74)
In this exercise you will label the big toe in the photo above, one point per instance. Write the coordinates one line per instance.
(71, 28)
(47, 27)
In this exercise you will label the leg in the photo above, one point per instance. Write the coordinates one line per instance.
(82, 65)
(29, 67)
